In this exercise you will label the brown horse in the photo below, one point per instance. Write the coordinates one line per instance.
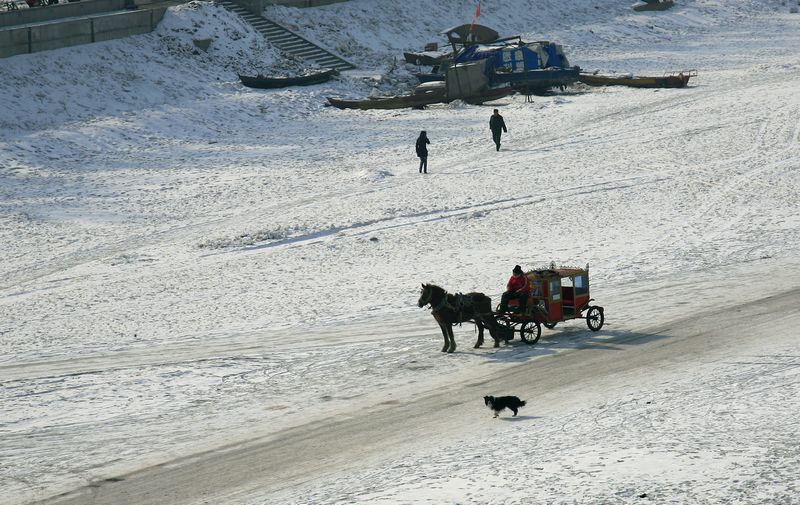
(449, 310)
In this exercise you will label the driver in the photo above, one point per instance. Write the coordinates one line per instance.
(517, 288)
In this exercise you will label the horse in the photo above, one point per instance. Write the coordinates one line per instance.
(449, 310)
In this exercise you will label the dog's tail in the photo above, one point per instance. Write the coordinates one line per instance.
(522, 403)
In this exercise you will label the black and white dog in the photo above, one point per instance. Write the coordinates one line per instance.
(498, 403)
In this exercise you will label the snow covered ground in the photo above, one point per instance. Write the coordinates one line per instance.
(187, 262)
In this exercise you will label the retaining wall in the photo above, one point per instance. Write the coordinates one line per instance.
(257, 6)
(62, 25)
(65, 33)
(59, 11)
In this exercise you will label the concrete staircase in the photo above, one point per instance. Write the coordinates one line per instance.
(288, 41)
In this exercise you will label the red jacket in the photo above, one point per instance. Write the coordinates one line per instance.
(518, 284)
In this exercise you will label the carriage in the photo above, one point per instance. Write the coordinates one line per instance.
(557, 295)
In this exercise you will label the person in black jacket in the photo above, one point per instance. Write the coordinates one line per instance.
(422, 151)
(498, 126)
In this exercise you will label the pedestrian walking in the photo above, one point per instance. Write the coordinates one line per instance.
(422, 151)
(498, 126)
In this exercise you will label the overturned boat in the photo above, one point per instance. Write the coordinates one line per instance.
(265, 82)
(466, 82)
(426, 57)
(423, 95)
(654, 5)
(670, 80)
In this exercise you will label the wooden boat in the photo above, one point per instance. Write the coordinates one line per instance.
(672, 80)
(426, 57)
(429, 76)
(263, 82)
(392, 102)
(418, 99)
(654, 5)
(490, 94)
(423, 95)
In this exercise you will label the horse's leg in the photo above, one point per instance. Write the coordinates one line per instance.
(480, 333)
(452, 347)
(489, 322)
(445, 327)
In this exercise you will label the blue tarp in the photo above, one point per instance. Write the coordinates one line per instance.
(516, 57)
(527, 64)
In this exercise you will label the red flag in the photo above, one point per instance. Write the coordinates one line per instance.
(477, 13)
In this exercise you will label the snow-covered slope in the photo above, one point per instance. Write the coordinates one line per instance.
(180, 253)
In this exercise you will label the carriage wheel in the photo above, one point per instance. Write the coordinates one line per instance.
(549, 326)
(595, 318)
(530, 332)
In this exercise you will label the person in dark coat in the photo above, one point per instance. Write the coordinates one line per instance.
(422, 151)
(498, 126)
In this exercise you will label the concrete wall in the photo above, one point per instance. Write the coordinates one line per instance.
(257, 6)
(52, 27)
(125, 24)
(15, 41)
(59, 11)
(89, 7)
(57, 34)
(63, 34)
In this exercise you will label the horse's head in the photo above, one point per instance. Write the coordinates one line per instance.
(429, 294)
(425, 295)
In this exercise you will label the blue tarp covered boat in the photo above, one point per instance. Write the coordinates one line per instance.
(528, 66)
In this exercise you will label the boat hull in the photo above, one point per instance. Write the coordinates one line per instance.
(262, 82)
(667, 81)
(426, 58)
(417, 101)
(391, 102)
(654, 6)
(429, 77)
(533, 81)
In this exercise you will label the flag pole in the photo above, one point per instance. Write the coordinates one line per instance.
(474, 18)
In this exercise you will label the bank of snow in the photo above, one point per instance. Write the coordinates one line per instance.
(181, 252)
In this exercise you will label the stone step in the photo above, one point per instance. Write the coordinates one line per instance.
(288, 41)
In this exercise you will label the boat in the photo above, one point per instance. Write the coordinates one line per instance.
(540, 80)
(424, 94)
(391, 102)
(489, 95)
(532, 67)
(671, 80)
(262, 82)
(654, 5)
(429, 76)
(464, 35)
(426, 57)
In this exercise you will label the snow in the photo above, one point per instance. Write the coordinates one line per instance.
(188, 263)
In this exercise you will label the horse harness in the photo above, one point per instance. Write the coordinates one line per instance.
(461, 302)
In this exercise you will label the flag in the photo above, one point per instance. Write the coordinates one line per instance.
(477, 13)
(474, 18)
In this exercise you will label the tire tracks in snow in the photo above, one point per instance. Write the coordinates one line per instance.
(421, 218)
(731, 186)
(15, 279)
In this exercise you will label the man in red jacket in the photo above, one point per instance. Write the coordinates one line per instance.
(517, 288)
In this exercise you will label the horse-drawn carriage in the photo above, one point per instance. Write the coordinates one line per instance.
(557, 294)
